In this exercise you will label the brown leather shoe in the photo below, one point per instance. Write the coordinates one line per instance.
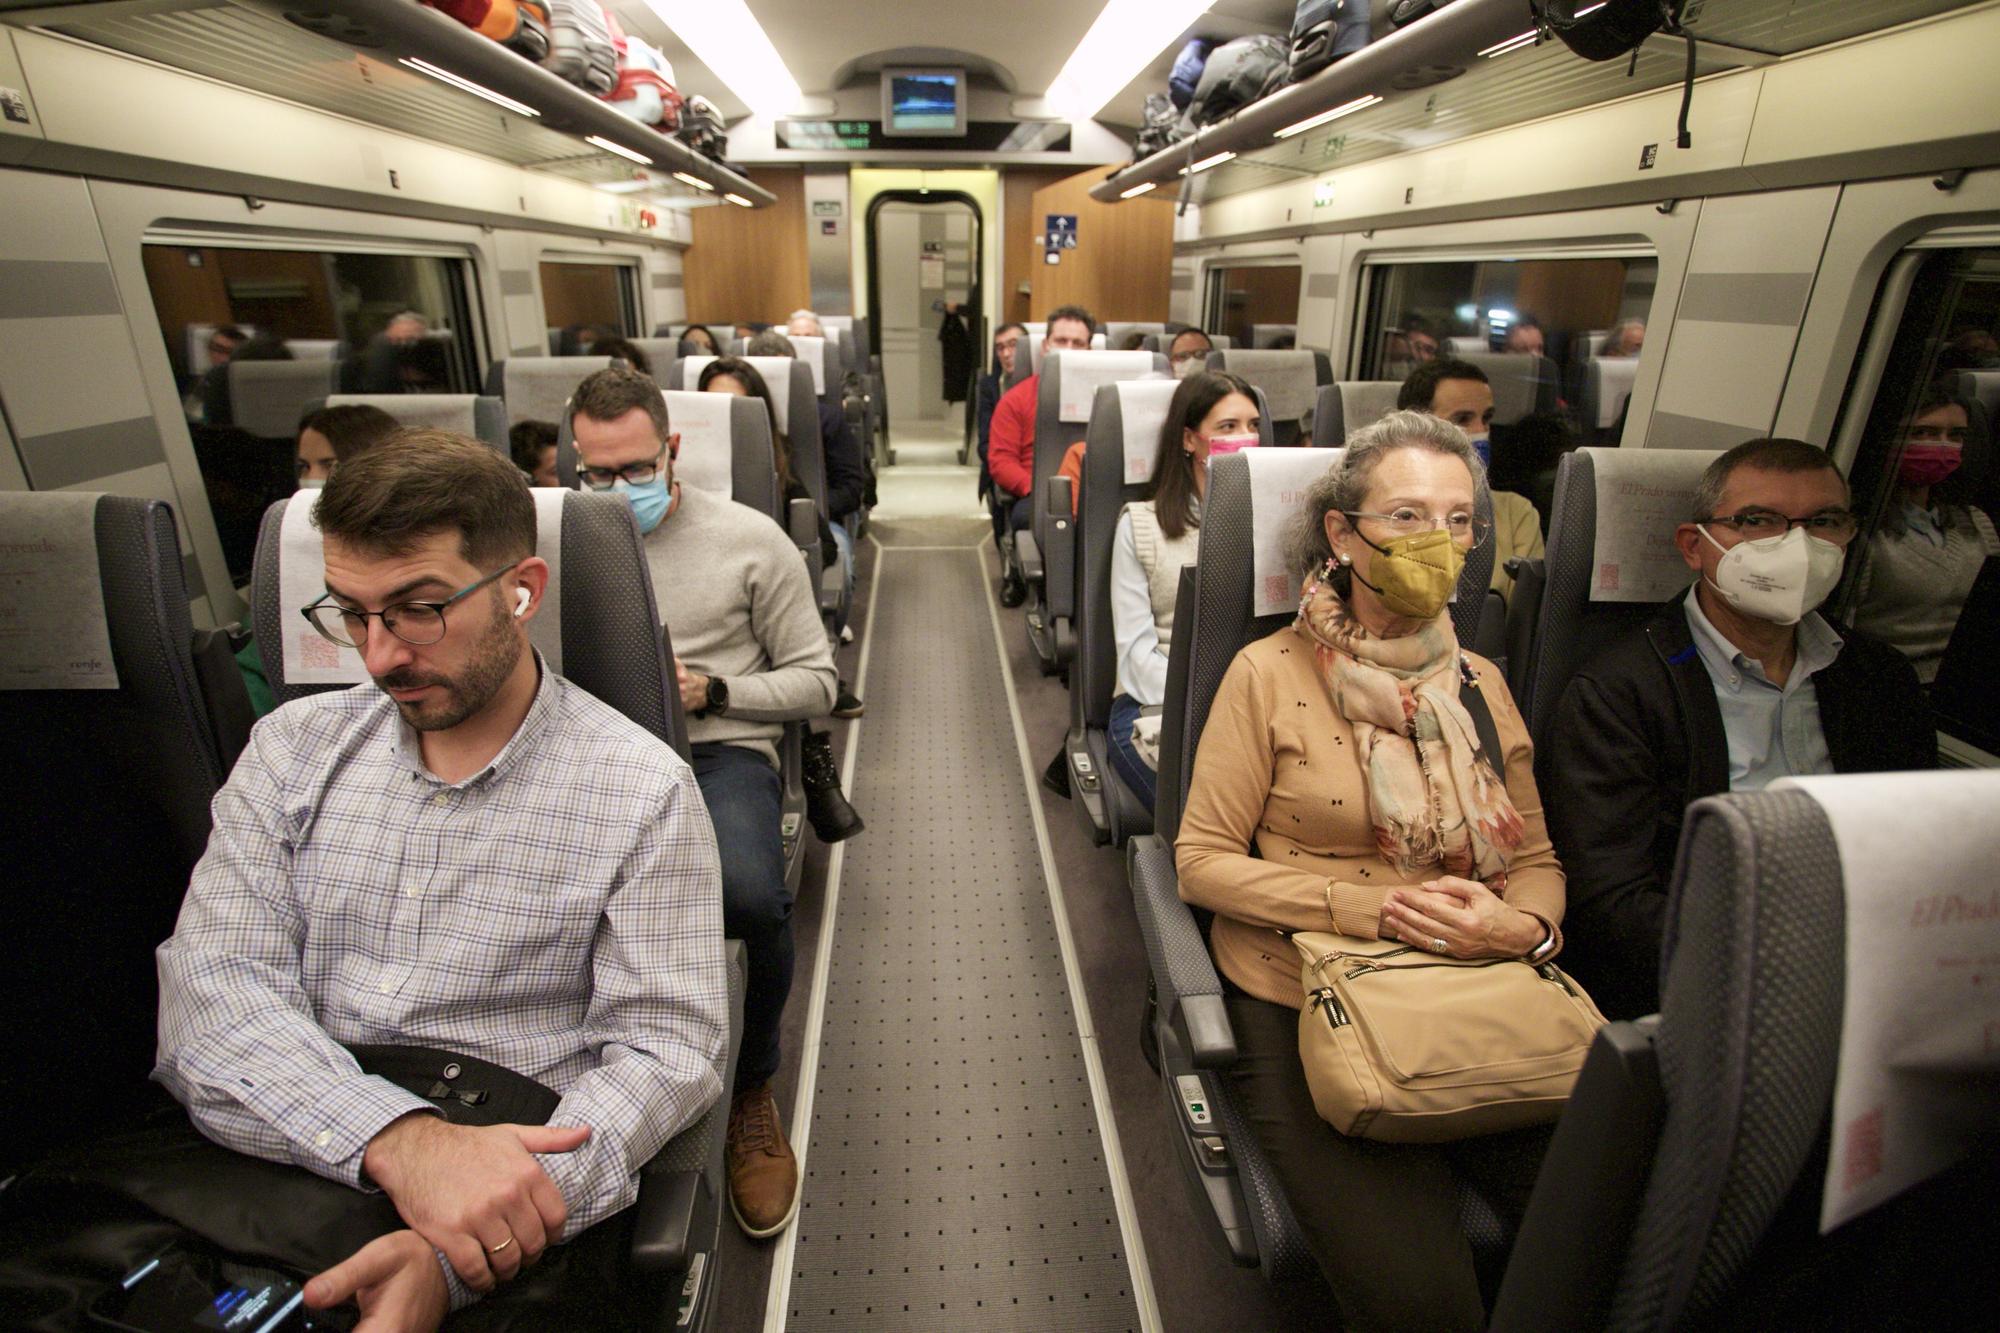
(763, 1173)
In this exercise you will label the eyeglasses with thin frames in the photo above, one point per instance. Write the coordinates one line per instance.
(1833, 525)
(1468, 530)
(417, 623)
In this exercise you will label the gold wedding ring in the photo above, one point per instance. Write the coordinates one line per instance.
(501, 1246)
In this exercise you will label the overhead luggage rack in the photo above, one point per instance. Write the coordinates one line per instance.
(404, 67)
(1380, 101)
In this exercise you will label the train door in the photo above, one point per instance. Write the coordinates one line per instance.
(924, 268)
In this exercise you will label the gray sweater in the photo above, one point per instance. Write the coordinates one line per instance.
(737, 603)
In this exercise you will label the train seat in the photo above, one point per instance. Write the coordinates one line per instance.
(117, 762)
(1047, 560)
(536, 388)
(316, 349)
(1345, 406)
(1523, 384)
(1597, 580)
(267, 398)
(1607, 387)
(1231, 596)
(1686, 1181)
(1464, 347)
(1125, 425)
(1160, 342)
(659, 351)
(1117, 331)
(480, 417)
(1273, 337)
(1291, 381)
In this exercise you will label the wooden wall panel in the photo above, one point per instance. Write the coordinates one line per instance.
(184, 294)
(1122, 267)
(1022, 238)
(750, 263)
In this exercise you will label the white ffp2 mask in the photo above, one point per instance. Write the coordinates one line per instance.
(1777, 579)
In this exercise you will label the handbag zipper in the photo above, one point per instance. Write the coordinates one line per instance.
(1328, 1004)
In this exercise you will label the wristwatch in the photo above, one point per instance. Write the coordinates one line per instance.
(717, 702)
(1544, 949)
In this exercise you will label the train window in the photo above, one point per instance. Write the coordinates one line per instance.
(380, 323)
(1244, 297)
(1571, 310)
(586, 301)
(1925, 576)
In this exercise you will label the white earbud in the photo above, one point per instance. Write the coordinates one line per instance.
(521, 600)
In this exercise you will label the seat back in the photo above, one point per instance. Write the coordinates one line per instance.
(1160, 342)
(1347, 405)
(1027, 360)
(1523, 384)
(1463, 347)
(116, 758)
(1243, 591)
(1607, 385)
(1604, 577)
(267, 398)
(598, 625)
(316, 349)
(476, 415)
(1117, 331)
(660, 352)
(789, 381)
(1290, 380)
(725, 449)
(1069, 387)
(536, 388)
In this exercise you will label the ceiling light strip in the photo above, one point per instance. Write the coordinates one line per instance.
(467, 85)
(739, 200)
(695, 181)
(1512, 44)
(1126, 37)
(1207, 162)
(1313, 122)
(1138, 190)
(618, 148)
(726, 37)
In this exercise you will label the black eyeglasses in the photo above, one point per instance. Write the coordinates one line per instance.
(1833, 525)
(636, 474)
(418, 623)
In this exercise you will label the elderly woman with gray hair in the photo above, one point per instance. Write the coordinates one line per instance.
(1340, 785)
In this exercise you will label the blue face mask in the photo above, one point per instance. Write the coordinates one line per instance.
(649, 502)
(1484, 448)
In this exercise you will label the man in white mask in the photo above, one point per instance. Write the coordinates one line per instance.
(1729, 687)
(1188, 353)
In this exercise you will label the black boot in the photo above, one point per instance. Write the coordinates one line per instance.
(1013, 590)
(832, 818)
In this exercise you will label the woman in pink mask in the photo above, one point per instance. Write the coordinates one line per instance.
(1927, 553)
(1211, 413)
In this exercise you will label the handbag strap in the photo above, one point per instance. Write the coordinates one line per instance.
(1473, 700)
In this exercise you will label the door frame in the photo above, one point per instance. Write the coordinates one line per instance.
(978, 300)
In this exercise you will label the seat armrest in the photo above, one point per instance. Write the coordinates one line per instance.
(1184, 975)
(802, 522)
(1059, 559)
(663, 1221)
(224, 695)
(1029, 552)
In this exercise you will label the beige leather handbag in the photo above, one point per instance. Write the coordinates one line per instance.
(1406, 1046)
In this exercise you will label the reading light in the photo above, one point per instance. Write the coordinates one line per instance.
(695, 181)
(1206, 163)
(738, 200)
(1512, 44)
(624, 187)
(1138, 190)
(726, 37)
(619, 149)
(467, 86)
(1121, 43)
(1344, 109)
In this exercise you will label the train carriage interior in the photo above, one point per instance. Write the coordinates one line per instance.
(1167, 665)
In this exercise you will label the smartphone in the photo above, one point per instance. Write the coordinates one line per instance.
(181, 1291)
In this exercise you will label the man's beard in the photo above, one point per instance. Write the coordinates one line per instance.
(459, 698)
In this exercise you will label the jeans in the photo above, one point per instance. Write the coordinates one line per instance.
(1142, 781)
(1007, 520)
(742, 791)
(844, 539)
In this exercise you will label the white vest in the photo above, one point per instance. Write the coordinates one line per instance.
(1162, 558)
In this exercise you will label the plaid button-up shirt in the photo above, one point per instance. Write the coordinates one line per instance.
(558, 913)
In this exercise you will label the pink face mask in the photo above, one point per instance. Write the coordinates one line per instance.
(1927, 464)
(1231, 444)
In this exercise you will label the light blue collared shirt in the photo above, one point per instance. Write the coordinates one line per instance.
(1773, 732)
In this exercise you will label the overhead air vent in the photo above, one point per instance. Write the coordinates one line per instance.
(1424, 76)
(339, 27)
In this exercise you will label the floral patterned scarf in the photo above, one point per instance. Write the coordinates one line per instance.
(1433, 797)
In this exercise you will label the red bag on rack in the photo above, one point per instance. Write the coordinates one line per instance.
(472, 13)
(645, 90)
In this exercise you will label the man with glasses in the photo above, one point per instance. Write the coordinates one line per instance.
(751, 655)
(1010, 453)
(1736, 684)
(1188, 353)
(470, 855)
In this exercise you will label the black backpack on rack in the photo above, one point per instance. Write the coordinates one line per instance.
(1237, 74)
(702, 128)
(1159, 129)
(1324, 31)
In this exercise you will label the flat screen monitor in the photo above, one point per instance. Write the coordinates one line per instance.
(926, 103)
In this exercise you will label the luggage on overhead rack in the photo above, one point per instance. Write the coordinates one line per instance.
(702, 128)
(645, 90)
(522, 26)
(1236, 75)
(1160, 128)
(1186, 75)
(580, 49)
(1324, 31)
(472, 13)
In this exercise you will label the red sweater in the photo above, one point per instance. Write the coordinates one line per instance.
(1010, 447)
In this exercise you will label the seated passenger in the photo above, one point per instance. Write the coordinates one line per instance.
(533, 446)
(621, 349)
(1459, 392)
(222, 345)
(1627, 338)
(1131, 342)
(750, 655)
(1010, 454)
(1729, 687)
(1188, 353)
(1924, 558)
(406, 326)
(1525, 338)
(470, 854)
(335, 435)
(1313, 809)
(1211, 413)
(991, 385)
(696, 340)
(804, 324)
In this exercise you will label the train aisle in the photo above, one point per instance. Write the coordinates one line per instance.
(952, 1128)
